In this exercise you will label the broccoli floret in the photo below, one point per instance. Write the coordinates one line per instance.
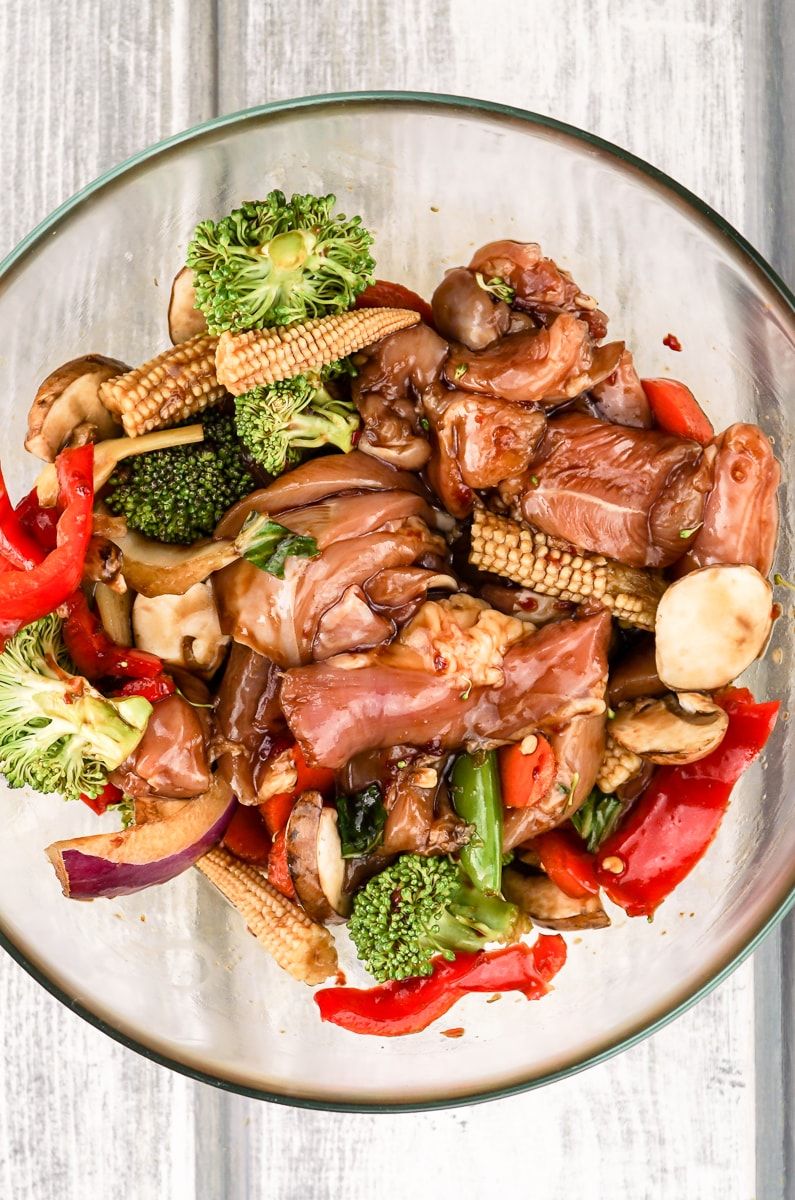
(277, 422)
(419, 907)
(179, 494)
(57, 733)
(275, 261)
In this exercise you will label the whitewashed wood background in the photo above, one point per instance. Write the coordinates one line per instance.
(701, 88)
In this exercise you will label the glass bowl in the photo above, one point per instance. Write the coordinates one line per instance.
(172, 972)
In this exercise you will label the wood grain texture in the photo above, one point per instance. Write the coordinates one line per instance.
(84, 84)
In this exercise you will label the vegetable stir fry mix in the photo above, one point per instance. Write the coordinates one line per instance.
(420, 617)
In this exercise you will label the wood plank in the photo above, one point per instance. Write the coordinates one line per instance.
(87, 83)
(769, 34)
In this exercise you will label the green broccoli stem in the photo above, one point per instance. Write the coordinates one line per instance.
(289, 251)
(332, 424)
(476, 797)
(471, 916)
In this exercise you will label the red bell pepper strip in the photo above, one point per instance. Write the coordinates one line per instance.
(278, 870)
(246, 836)
(40, 522)
(276, 809)
(110, 794)
(26, 596)
(567, 862)
(677, 411)
(158, 688)
(670, 828)
(95, 654)
(384, 294)
(18, 549)
(411, 1005)
(319, 779)
(526, 778)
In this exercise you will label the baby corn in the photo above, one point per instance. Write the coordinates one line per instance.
(305, 950)
(178, 384)
(260, 357)
(534, 560)
(618, 766)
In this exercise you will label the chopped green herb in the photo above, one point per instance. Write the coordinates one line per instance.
(460, 370)
(401, 766)
(268, 545)
(611, 712)
(361, 819)
(687, 533)
(596, 819)
(534, 480)
(497, 287)
(425, 424)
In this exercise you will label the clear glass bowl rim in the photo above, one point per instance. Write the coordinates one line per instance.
(664, 183)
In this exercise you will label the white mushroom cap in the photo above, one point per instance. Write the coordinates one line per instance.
(185, 320)
(670, 729)
(182, 630)
(711, 625)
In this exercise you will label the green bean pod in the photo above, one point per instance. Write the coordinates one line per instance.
(475, 792)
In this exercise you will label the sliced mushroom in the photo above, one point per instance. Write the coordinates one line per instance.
(156, 569)
(711, 625)
(103, 563)
(67, 399)
(547, 905)
(109, 454)
(115, 610)
(314, 859)
(635, 674)
(183, 629)
(672, 729)
(185, 320)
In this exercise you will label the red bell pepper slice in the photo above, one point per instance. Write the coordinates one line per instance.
(411, 1005)
(278, 870)
(95, 654)
(670, 828)
(158, 688)
(276, 809)
(677, 411)
(384, 294)
(26, 596)
(526, 778)
(319, 779)
(110, 794)
(246, 836)
(567, 862)
(18, 549)
(40, 522)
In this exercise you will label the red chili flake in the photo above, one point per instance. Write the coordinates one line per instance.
(672, 342)
(439, 661)
(340, 979)
(458, 1032)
